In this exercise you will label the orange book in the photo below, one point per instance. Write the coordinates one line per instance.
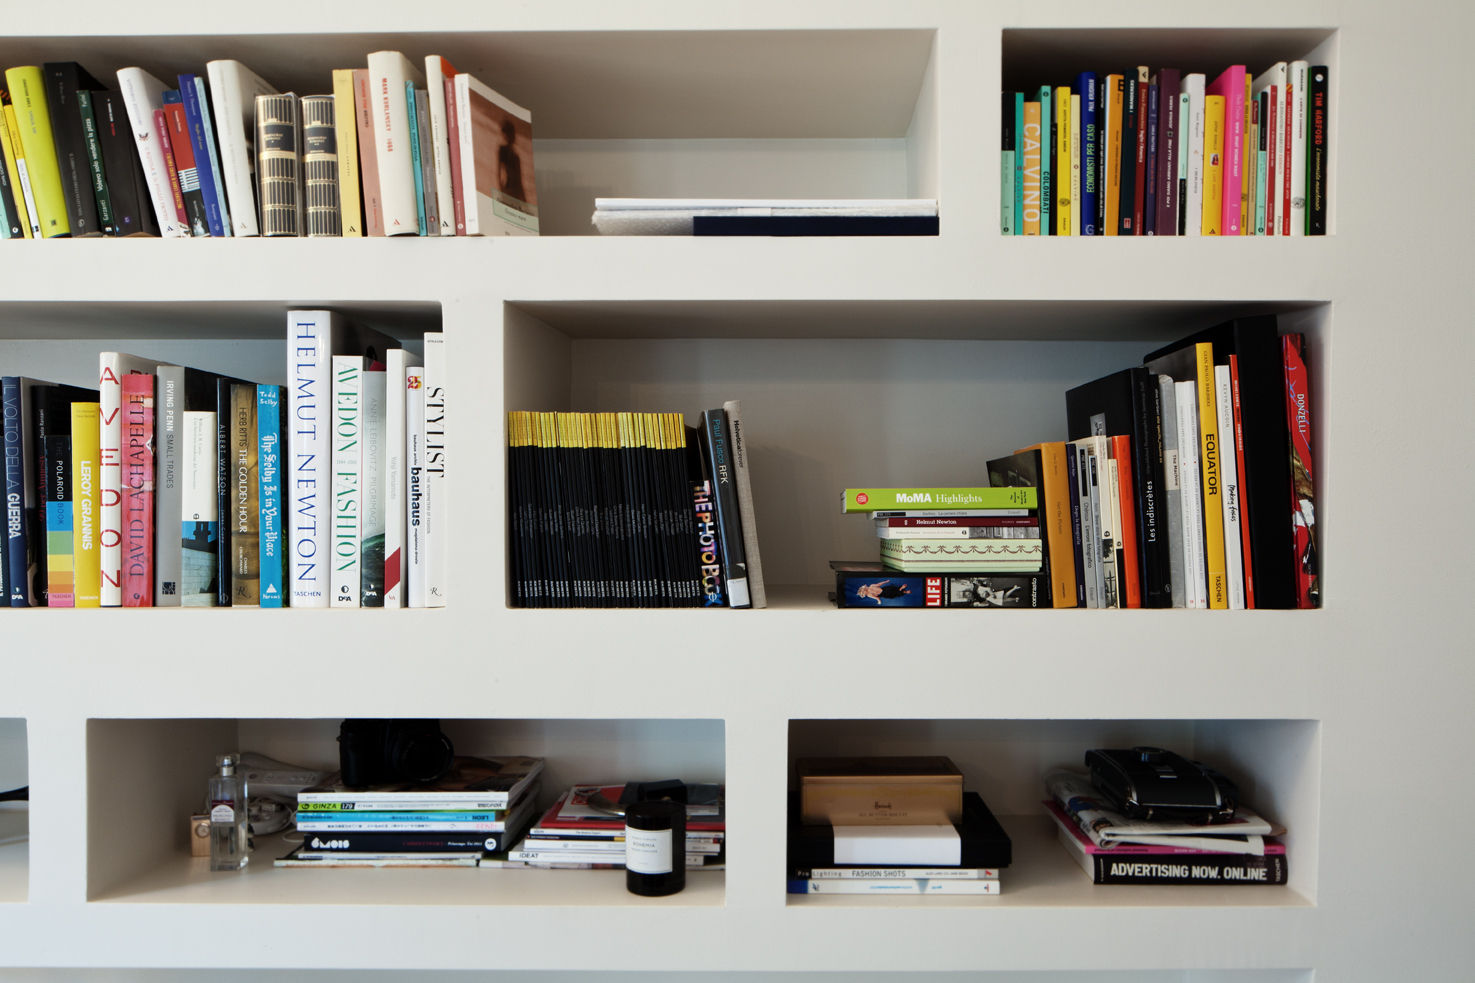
(1114, 96)
(1031, 150)
(1130, 576)
(1055, 499)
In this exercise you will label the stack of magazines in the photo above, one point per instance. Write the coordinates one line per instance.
(585, 828)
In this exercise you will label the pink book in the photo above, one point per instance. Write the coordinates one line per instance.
(1287, 117)
(138, 491)
(363, 104)
(1273, 847)
(1231, 85)
(453, 131)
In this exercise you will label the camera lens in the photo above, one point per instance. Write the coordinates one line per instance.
(421, 755)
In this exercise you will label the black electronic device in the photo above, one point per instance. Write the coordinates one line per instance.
(376, 752)
(1151, 783)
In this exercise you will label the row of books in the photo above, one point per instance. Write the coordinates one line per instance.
(167, 486)
(631, 510)
(394, 149)
(1165, 152)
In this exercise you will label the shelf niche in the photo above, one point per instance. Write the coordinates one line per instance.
(1276, 763)
(161, 767)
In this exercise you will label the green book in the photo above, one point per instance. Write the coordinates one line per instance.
(900, 499)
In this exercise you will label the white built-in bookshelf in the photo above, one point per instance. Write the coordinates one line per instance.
(859, 362)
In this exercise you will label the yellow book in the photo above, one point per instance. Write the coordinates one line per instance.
(1075, 163)
(1031, 150)
(345, 125)
(1209, 459)
(28, 97)
(1213, 165)
(1062, 160)
(1113, 151)
(24, 203)
(1055, 499)
(1246, 187)
(86, 504)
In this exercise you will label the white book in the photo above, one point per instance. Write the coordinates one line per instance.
(198, 524)
(1273, 80)
(142, 95)
(374, 483)
(414, 564)
(1299, 79)
(233, 92)
(1173, 487)
(895, 885)
(1229, 482)
(1108, 519)
(437, 70)
(438, 537)
(388, 73)
(1195, 572)
(1192, 119)
(396, 486)
(1089, 535)
(938, 844)
(749, 519)
(111, 367)
(313, 338)
(499, 198)
(348, 490)
(1075, 166)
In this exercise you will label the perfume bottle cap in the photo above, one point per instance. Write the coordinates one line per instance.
(227, 763)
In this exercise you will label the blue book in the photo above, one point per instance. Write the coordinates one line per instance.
(415, 159)
(1019, 163)
(269, 473)
(1047, 145)
(207, 161)
(1090, 124)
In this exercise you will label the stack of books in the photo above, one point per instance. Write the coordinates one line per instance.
(585, 829)
(766, 216)
(947, 547)
(396, 148)
(632, 510)
(1187, 481)
(891, 825)
(475, 810)
(1165, 152)
(1113, 849)
(167, 486)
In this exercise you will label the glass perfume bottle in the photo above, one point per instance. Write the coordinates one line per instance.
(229, 849)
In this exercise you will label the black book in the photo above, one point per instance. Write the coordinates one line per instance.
(51, 447)
(1127, 402)
(1169, 86)
(1319, 119)
(871, 584)
(14, 205)
(62, 80)
(133, 210)
(1127, 195)
(717, 447)
(1266, 498)
(1006, 145)
(814, 225)
(1026, 470)
(430, 842)
(984, 842)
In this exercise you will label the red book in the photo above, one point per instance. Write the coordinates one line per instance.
(161, 130)
(1272, 163)
(186, 169)
(453, 135)
(1302, 490)
(138, 491)
(1239, 457)
(1131, 575)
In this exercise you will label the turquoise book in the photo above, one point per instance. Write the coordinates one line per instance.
(415, 161)
(1047, 144)
(269, 471)
(1019, 163)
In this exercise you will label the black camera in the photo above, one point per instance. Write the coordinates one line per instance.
(1150, 783)
(382, 752)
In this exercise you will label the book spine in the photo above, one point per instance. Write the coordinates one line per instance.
(110, 487)
(416, 526)
(1170, 503)
(427, 163)
(375, 481)
(438, 538)
(199, 527)
(1303, 494)
(1108, 519)
(322, 211)
(438, 72)
(453, 159)
(363, 101)
(168, 486)
(1018, 118)
(1230, 500)
(729, 523)
(1072, 494)
(1185, 394)
(201, 152)
(348, 463)
(1150, 170)
(1193, 155)
(209, 156)
(1132, 550)
(1170, 86)
(273, 541)
(1111, 184)
(1211, 466)
(19, 488)
(310, 394)
(396, 484)
(1061, 202)
(1047, 176)
(746, 515)
(1090, 536)
(893, 886)
(60, 573)
(278, 163)
(23, 176)
(38, 146)
(1207, 869)
(389, 71)
(171, 171)
(86, 501)
(19, 219)
(1272, 156)
(235, 127)
(1075, 164)
(1284, 177)
(1031, 169)
(225, 507)
(97, 185)
(1089, 126)
(345, 129)
(1230, 86)
(1146, 466)
(138, 491)
(1318, 126)
(10, 225)
(128, 195)
(1139, 166)
(1246, 554)
(356, 842)
(1262, 161)
(1212, 213)
(1299, 84)
(245, 498)
(903, 873)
